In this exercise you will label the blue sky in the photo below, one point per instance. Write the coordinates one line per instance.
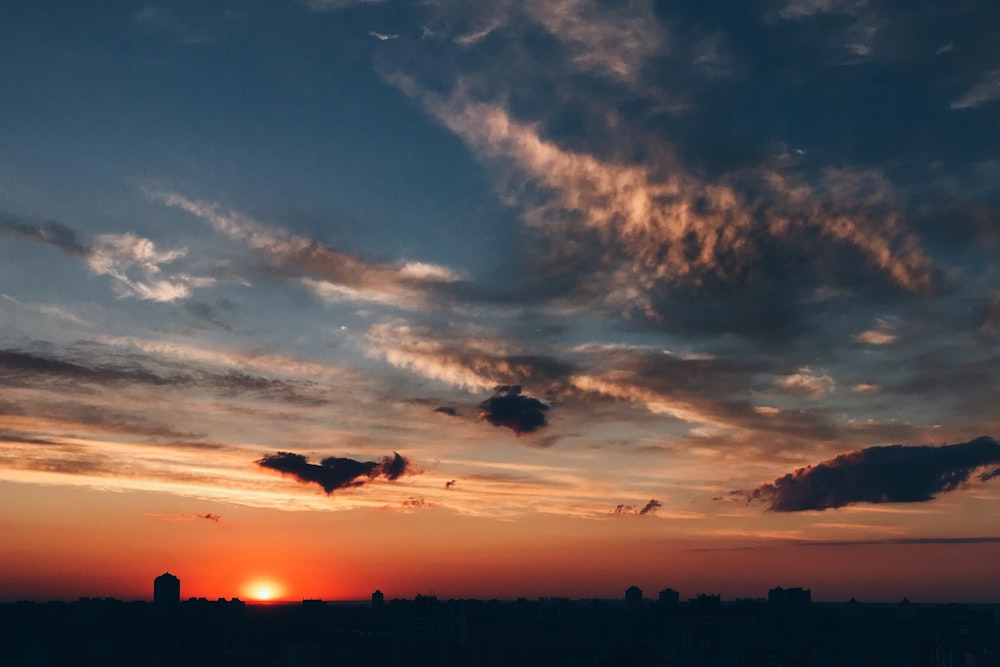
(563, 257)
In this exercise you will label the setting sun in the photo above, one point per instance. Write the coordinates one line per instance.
(264, 591)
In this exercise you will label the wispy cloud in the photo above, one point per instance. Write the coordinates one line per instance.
(649, 227)
(135, 263)
(807, 382)
(471, 38)
(984, 92)
(476, 361)
(333, 275)
(336, 5)
(614, 41)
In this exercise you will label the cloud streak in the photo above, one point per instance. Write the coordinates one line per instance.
(332, 275)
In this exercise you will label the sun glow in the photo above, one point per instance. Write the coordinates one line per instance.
(263, 591)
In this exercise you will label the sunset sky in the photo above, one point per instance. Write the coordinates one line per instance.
(305, 298)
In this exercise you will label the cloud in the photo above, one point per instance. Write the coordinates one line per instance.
(335, 473)
(336, 5)
(982, 93)
(875, 337)
(614, 41)
(116, 255)
(648, 508)
(134, 262)
(474, 360)
(332, 275)
(477, 36)
(507, 407)
(381, 36)
(48, 232)
(883, 474)
(801, 9)
(651, 506)
(184, 517)
(444, 410)
(648, 232)
(807, 382)
(450, 484)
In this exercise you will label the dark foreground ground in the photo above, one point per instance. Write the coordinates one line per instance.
(703, 632)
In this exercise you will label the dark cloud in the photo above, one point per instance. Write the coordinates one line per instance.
(449, 484)
(47, 232)
(29, 368)
(885, 474)
(451, 412)
(20, 366)
(507, 407)
(651, 506)
(335, 473)
(648, 508)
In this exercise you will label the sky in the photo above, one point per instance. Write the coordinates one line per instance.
(305, 298)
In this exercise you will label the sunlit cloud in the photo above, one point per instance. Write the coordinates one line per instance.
(814, 384)
(875, 337)
(657, 225)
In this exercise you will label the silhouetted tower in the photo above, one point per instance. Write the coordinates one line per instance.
(633, 597)
(166, 590)
(377, 599)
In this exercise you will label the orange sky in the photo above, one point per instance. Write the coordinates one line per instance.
(110, 544)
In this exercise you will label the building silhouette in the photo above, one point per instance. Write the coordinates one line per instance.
(166, 590)
(669, 597)
(633, 597)
(377, 599)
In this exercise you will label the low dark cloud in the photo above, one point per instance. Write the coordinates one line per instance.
(648, 508)
(17, 366)
(885, 474)
(449, 484)
(335, 472)
(444, 410)
(30, 369)
(507, 407)
(47, 232)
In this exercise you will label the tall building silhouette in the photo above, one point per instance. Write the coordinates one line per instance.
(166, 590)
(377, 600)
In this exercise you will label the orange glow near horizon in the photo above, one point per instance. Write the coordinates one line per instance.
(263, 590)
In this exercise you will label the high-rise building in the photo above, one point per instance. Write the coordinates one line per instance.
(166, 590)
(377, 600)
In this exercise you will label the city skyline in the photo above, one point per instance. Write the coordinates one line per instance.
(308, 298)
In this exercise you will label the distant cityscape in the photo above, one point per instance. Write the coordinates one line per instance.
(785, 629)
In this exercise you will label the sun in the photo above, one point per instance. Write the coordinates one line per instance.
(263, 590)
